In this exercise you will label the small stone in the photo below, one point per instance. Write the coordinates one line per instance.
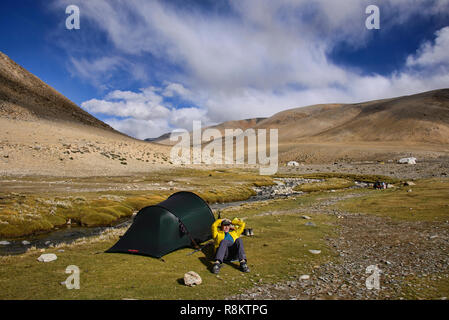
(192, 278)
(61, 250)
(306, 217)
(315, 251)
(5, 243)
(25, 243)
(304, 277)
(47, 257)
(310, 224)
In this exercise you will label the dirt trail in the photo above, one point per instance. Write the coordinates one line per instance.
(401, 250)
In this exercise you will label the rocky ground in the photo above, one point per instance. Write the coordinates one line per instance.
(401, 250)
(424, 168)
(59, 149)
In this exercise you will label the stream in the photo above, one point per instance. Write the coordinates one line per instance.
(68, 234)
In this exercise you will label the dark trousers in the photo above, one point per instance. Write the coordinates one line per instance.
(229, 251)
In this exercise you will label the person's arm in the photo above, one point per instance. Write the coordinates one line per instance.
(240, 226)
(215, 228)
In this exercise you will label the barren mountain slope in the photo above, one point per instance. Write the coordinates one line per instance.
(44, 133)
(23, 96)
(382, 129)
(416, 119)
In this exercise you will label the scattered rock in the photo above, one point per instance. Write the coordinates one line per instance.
(310, 224)
(25, 243)
(306, 217)
(4, 243)
(315, 251)
(304, 277)
(192, 278)
(47, 257)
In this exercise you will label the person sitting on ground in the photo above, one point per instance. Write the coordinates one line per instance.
(227, 243)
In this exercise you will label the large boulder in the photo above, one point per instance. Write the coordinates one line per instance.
(192, 278)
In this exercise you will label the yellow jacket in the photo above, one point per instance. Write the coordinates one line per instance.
(218, 234)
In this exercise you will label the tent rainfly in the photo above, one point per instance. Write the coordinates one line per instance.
(180, 221)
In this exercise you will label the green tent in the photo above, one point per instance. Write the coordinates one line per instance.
(180, 221)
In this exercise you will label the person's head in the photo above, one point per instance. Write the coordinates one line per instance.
(226, 225)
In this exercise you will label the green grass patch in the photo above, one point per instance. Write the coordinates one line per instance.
(433, 287)
(368, 178)
(328, 184)
(427, 201)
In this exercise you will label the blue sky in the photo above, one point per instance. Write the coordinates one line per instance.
(147, 67)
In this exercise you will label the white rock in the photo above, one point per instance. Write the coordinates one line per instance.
(25, 243)
(304, 277)
(192, 278)
(306, 217)
(47, 257)
(4, 243)
(411, 160)
(315, 251)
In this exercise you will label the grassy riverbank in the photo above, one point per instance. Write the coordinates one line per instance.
(279, 250)
(48, 203)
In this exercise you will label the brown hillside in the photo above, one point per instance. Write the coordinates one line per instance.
(382, 129)
(420, 118)
(44, 133)
(23, 96)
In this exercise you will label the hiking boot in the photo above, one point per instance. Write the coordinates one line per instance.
(244, 267)
(216, 268)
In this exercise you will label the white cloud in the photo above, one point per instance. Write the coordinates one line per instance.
(145, 114)
(145, 105)
(140, 128)
(431, 54)
(178, 89)
(265, 57)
